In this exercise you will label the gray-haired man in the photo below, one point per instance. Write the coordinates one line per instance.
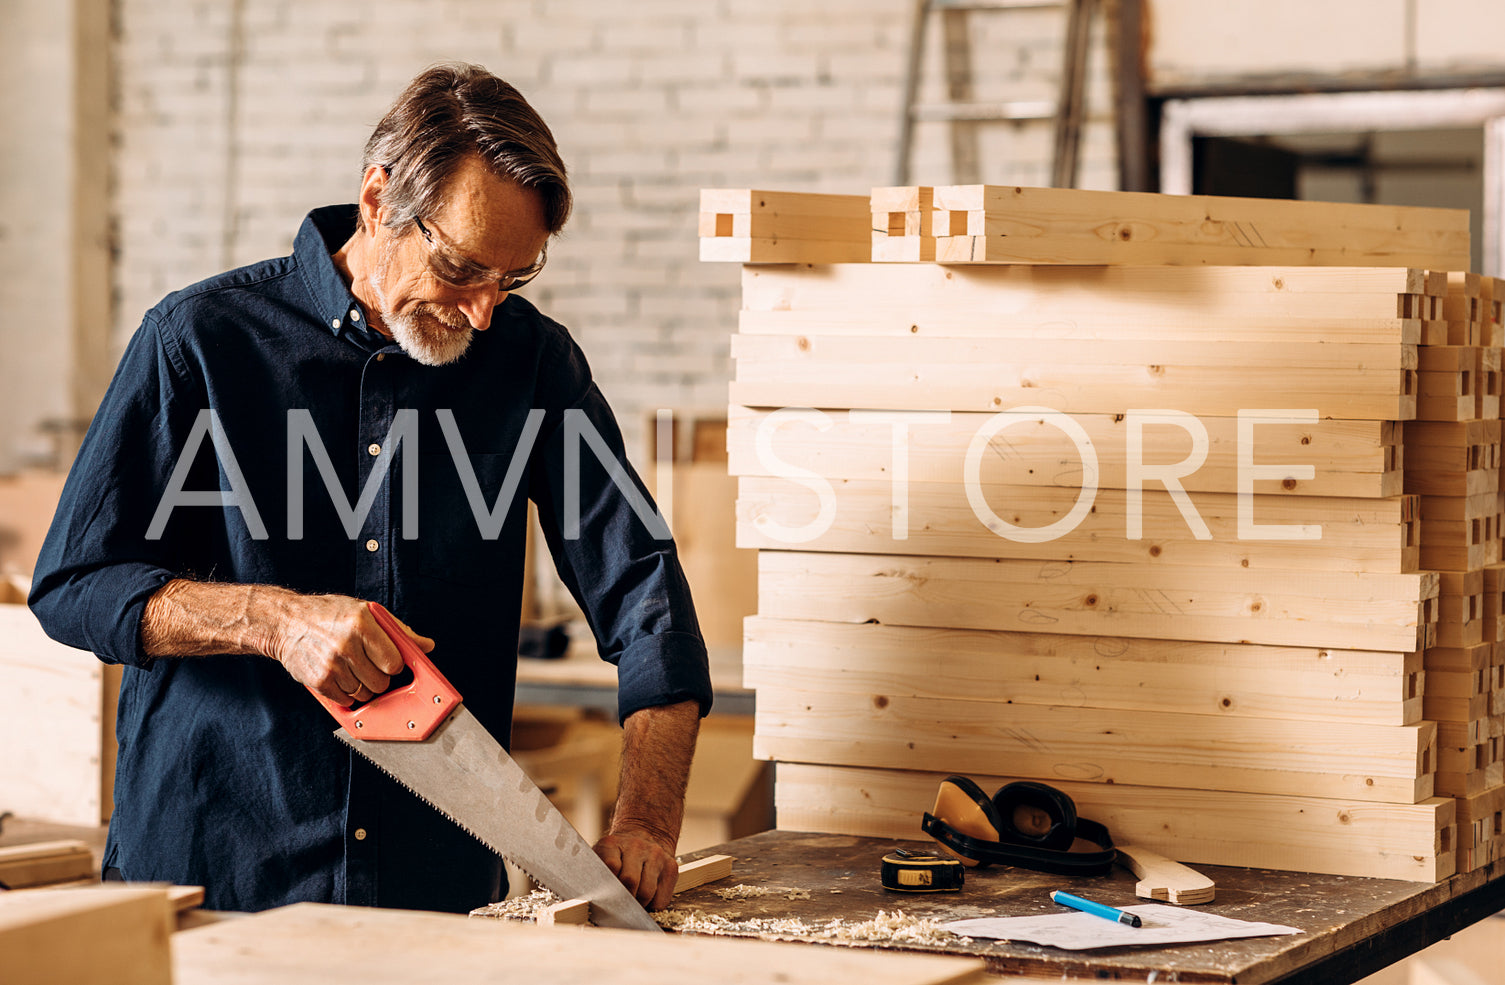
(362, 420)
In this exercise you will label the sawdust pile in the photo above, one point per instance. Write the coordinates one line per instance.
(894, 928)
(740, 892)
(522, 908)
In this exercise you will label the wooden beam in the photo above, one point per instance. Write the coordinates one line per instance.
(1343, 458)
(1338, 304)
(987, 375)
(902, 228)
(938, 518)
(1304, 834)
(1348, 610)
(1230, 679)
(1008, 224)
(756, 226)
(1381, 763)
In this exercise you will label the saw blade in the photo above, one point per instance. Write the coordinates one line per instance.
(465, 774)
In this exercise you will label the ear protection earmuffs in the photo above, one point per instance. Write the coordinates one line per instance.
(1025, 824)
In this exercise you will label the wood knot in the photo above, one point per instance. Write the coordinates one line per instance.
(880, 701)
(1288, 484)
(1154, 550)
(804, 344)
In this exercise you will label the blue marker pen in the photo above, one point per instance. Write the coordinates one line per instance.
(1097, 909)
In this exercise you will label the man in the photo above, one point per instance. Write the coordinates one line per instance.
(363, 420)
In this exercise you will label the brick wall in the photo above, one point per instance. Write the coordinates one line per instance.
(236, 116)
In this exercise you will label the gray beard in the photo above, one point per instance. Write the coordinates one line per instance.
(421, 333)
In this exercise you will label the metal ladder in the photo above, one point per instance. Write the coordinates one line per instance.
(964, 112)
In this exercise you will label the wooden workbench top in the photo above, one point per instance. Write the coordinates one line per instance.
(1352, 925)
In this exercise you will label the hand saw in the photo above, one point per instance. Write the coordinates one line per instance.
(421, 735)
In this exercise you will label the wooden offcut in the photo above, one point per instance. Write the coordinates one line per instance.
(43, 862)
(703, 870)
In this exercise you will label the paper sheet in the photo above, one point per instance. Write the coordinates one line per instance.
(1073, 931)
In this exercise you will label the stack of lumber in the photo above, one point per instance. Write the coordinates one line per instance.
(1155, 531)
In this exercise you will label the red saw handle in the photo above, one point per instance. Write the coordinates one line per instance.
(407, 712)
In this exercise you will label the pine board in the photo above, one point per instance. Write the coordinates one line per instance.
(1383, 763)
(94, 936)
(1361, 459)
(1047, 225)
(935, 518)
(1360, 382)
(1296, 304)
(1348, 610)
(314, 944)
(1240, 681)
(1304, 834)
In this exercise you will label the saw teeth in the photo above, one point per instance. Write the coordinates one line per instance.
(398, 780)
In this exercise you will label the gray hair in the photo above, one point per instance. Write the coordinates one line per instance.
(447, 113)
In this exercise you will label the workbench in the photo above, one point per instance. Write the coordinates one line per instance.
(1353, 926)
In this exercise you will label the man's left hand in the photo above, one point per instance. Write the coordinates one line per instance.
(640, 859)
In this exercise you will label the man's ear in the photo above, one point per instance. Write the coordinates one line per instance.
(373, 183)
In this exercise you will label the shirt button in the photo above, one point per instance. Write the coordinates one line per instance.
(360, 834)
(334, 323)
(380, 356)
(372, 546)
(373, 449)
(355, 314)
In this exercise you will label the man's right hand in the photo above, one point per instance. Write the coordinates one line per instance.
(330, 643)
(333, 644)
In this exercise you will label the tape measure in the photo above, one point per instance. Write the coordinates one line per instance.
(906, 871)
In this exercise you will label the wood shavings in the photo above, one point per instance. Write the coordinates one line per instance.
(891, 928)
(522, 908)
(740, 892)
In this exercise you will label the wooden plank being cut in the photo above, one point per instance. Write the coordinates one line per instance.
(97, 936)
(315, 944)
(940, 518)
(1384, 763)
(1323, 458)
(753, 226)
(1349, 610)
(984, 375)
(1007, 224)
(1304, 834)
(1237, 680)
(1245, 304)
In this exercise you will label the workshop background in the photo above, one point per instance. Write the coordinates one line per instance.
(154, 142)
(150, 143)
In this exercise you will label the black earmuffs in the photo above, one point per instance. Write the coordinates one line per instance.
(1025, 824)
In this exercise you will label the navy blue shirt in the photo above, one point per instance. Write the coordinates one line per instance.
(232, 395)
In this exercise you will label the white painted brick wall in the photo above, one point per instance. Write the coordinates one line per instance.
(650, 100)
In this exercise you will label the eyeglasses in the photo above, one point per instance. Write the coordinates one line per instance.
(452, 268)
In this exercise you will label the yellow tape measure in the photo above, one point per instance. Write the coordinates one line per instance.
(906, 871)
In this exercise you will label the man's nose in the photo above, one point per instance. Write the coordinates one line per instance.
(479, 304)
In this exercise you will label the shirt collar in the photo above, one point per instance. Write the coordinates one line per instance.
(323, 232)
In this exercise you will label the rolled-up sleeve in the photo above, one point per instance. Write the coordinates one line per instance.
(97, 567)
(628, 581)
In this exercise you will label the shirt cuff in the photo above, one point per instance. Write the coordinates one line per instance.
(663, 670)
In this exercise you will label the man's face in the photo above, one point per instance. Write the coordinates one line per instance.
(437, 283)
